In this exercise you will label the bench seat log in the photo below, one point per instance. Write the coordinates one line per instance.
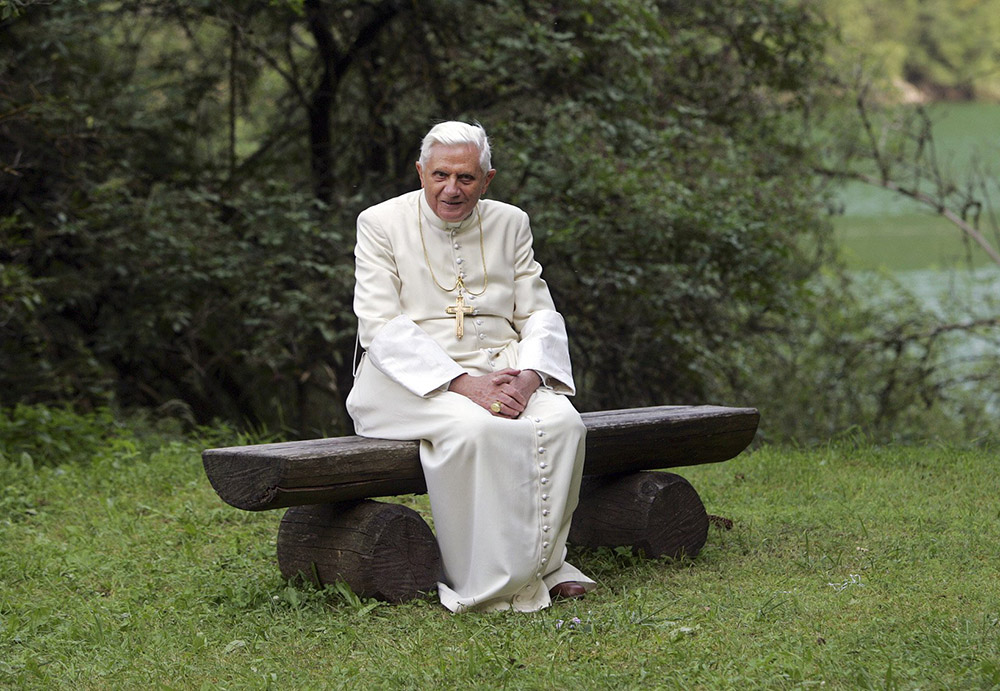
(320, 471)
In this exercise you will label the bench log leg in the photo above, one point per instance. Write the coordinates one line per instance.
(655, 513)
(384, 551)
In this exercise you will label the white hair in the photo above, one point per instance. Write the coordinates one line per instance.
(454, 133)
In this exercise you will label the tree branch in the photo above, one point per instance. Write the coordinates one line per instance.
(923, 198)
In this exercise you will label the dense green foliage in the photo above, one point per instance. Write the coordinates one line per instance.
(848, 567)
(179, 183)
(160, 244)
(53, 436)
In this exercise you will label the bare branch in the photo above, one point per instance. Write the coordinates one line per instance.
(922, 165)
(956, 219)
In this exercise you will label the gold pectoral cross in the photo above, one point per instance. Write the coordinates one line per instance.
(459, 310)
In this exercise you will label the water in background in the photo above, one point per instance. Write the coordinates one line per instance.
(883, 232)
(880, 230)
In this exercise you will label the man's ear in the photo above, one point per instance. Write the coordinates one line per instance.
(420, 174)
(489, 179)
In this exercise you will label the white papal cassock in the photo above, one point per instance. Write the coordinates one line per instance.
(502, 491)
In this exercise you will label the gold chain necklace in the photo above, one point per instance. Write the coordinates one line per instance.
(459, 283)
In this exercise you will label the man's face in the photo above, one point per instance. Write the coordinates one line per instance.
(452, 181)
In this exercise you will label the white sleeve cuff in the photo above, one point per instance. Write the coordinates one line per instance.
(544, 347)
(410, 357)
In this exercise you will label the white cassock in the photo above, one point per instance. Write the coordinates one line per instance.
(502, 491)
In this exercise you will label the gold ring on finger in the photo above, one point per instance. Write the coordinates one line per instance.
(495, 406)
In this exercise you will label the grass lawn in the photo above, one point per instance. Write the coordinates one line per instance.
(848, 567)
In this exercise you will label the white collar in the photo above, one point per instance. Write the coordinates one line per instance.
(435, 221)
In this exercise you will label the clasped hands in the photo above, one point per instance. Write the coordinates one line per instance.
(510, 388)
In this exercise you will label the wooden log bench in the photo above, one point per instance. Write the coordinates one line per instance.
(334, 531)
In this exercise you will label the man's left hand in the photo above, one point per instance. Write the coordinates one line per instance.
(508, 390)
(520, 387)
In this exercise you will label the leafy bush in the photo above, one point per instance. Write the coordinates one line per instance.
(887, 367)
(43, 435)
(229, 305)
(170, 252)
(176, 230)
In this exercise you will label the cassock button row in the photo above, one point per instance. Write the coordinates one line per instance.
(545, 497)
(457, 246)
(544, 481)
(458, 261)
(541, 449)
(540, 432)
(482, 337)
(546, 512)
(545, 560)
(543, 465)
(479, 322)
(538, 575)
(538, 419)
(545, 545)
(545, 528)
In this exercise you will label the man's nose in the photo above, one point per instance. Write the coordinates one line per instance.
(451, 186)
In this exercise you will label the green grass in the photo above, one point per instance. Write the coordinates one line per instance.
(848, 567)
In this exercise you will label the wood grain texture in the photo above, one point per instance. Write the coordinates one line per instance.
(384, 551)
(270, 476)
(656, 514)
(387, 552)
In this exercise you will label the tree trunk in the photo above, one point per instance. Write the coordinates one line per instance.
(321, 102)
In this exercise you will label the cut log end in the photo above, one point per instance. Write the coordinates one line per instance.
(656, 514)
(383, 551)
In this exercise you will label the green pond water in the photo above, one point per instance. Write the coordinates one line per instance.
(885, 233)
